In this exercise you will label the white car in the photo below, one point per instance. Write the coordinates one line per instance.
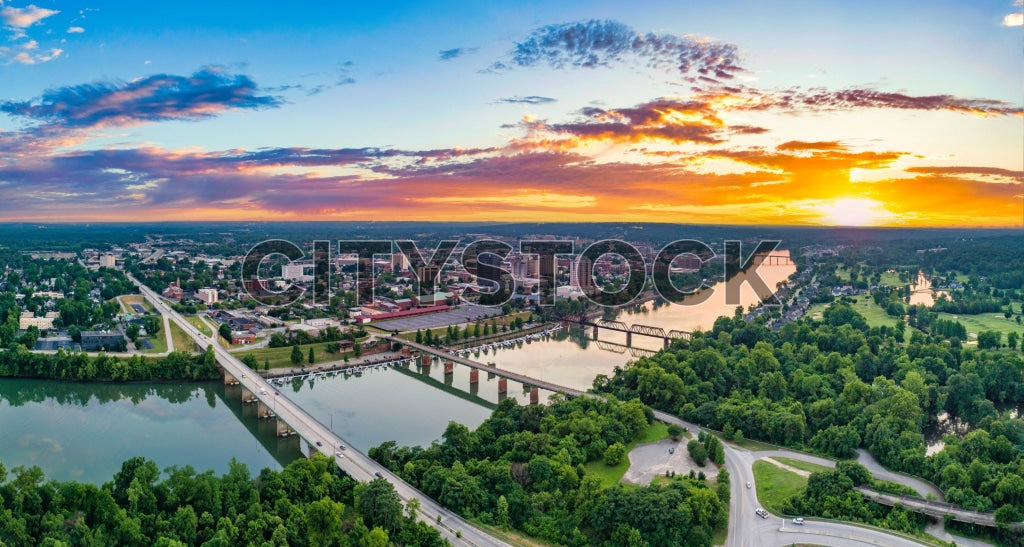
(798, 520)
(748, 484)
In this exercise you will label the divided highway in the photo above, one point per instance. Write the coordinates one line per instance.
(356, 464)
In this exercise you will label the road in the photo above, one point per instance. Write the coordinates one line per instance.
(746, 529)
(356, 464)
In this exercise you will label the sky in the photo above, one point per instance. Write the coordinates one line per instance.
(846, 113)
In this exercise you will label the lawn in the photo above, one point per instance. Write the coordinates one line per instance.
(281, 357)
(750, 444)
(612, 474)
(985, 321)
(198, 323)
(181, 341)
(776, 485)
(159, 343)
(874, 315)
(803, 466)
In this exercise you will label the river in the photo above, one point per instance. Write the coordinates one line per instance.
(84, 431)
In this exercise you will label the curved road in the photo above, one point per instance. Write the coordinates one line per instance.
(359, 466)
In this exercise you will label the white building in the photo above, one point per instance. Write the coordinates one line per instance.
(28, 319)
(209, 296)
(107, 260)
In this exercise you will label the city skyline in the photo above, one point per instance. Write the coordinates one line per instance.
(905, 114)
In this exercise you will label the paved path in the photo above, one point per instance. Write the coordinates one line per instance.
(356, 464)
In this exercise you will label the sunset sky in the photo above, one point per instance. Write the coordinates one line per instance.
(761, 112)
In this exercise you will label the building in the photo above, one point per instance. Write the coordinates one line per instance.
(28, 319)
(242, 337)
(102, 340)
(49, 295)
(207, 296)
(298, 271)
(173, 291)
(107, 260)
(436, 299)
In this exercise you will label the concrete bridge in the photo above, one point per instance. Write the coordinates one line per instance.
(293, 419)
(935, 508)
(449, 359)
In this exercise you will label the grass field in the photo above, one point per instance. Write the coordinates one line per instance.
(776, 485)
(198, 323)
(874, 315)
(750, 444)
(803, 466)
(986, 321)
(159, 343)
(281, 357)
(612, 474)
(181, 341)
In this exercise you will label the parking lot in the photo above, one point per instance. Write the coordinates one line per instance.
(464, 313)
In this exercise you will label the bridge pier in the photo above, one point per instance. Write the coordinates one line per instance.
(474, 376)
(449, 368)
(229, 380)
(502, 386)
(248, 397)
(629, 339)
(425, 360)
(595, 332)
(667, 341)
(283, 430)
(534, 396)
(263, 411)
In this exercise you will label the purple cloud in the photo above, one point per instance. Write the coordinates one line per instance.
(204, 94)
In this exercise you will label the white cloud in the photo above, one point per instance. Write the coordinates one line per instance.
(26, 58)
(1013, 20)
(76, 30)
(24, 17)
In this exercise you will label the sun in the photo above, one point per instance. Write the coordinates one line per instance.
(854, 212)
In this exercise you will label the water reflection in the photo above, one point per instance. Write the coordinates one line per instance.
(84, 431)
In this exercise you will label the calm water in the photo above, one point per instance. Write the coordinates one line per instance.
(921, 291)
(84, 431)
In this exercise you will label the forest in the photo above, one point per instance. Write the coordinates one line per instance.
(79, 366)
(835, 385)
(310, 502)
(523, 469)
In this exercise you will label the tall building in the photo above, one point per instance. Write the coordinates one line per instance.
(209, 296)
(107, 260)
(582, 274)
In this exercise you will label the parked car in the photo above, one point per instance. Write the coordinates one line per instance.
(798, 520)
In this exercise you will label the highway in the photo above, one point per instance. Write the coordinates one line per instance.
(354, 463)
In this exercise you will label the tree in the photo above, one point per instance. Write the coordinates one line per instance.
(296, 356)
(311, 358)
(357, 349)
(225, 331)
(614, 453)
(697, 451)
(1012, 339)
(379, 504)
(501, 517)
(675, 431)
